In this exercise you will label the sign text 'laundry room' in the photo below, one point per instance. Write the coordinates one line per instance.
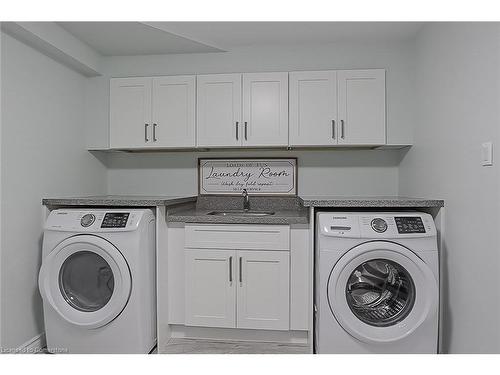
(257, 176)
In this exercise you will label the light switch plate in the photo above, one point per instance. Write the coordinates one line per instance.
(487, 153)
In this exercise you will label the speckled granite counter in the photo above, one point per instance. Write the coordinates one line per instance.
(119, 201)
(287, 210)
(390, 202)
(201, 216)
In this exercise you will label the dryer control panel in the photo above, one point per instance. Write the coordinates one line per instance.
(376, 224)
(95, 220)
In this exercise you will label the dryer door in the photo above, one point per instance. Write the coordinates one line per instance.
(381, 292)
(86, 280)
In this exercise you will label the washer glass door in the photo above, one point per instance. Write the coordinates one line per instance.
(86, 281)
(380, 292)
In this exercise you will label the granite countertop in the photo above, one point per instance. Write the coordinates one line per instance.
(287, 210)
(194, 215)
(389, 201)
(119, 200)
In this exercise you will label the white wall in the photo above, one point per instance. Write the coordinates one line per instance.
(343, 172)
(458, 107)
(332, 172)
(42, 155)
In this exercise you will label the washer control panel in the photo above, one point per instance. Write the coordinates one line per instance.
(409, 224)
(115, 220)
(376, 224)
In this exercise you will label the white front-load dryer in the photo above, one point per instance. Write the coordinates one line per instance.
(97, 281)
(377, 283)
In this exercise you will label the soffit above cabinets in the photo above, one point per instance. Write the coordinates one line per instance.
(133, 38)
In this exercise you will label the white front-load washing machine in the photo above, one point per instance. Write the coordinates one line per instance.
(377, 283)
(97, 280)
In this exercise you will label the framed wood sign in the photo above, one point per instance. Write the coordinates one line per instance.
(269, 176)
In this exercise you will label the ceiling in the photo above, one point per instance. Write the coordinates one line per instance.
(151, 38)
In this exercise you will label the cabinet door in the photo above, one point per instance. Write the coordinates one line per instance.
(265, 109)
(210, 293)
(219, 110)
(263, 290)
(313, 108)
(174, 111)
(361, 107)
(130, 112)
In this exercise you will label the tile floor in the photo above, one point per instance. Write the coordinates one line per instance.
(197, 346)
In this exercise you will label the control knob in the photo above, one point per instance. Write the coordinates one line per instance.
(379, 225)
(87, 220)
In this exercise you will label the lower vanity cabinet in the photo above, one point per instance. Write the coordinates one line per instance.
(210, 294)
(230, 288)
(237, 289)
(263, 290)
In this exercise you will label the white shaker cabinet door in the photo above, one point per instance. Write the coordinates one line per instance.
(130, 113)
(313, 108)
(219, 110)
(361, 107)
(263, 290)
(174, 111)
(265, 109)
(210, 293)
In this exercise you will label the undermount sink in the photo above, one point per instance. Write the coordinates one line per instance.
(241, 213)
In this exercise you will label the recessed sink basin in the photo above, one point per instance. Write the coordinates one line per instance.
(240, 213)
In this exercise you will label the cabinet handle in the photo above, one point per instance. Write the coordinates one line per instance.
(241, 272)
(146, 132)
(342, 135)
(231, 269)
(333, 129)
(246, 125)
(237, 130)
(154, 132)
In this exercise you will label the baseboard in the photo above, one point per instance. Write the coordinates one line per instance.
(34, 345)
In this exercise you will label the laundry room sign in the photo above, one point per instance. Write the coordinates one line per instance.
(257, 176)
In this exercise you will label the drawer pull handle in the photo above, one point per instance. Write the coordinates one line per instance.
(230, 269)
(241, 271)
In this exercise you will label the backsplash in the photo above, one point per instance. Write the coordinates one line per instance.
(321, 172)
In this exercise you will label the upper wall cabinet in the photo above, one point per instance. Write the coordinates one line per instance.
(313, 108)
(344, 107)
(219, 110)
(130, 112)
(327, 108)
(174, 117)
(152, 112)
(361, 98)
(242, 110)
(265, 109)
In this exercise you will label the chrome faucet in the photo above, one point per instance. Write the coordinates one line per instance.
(246, 200)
